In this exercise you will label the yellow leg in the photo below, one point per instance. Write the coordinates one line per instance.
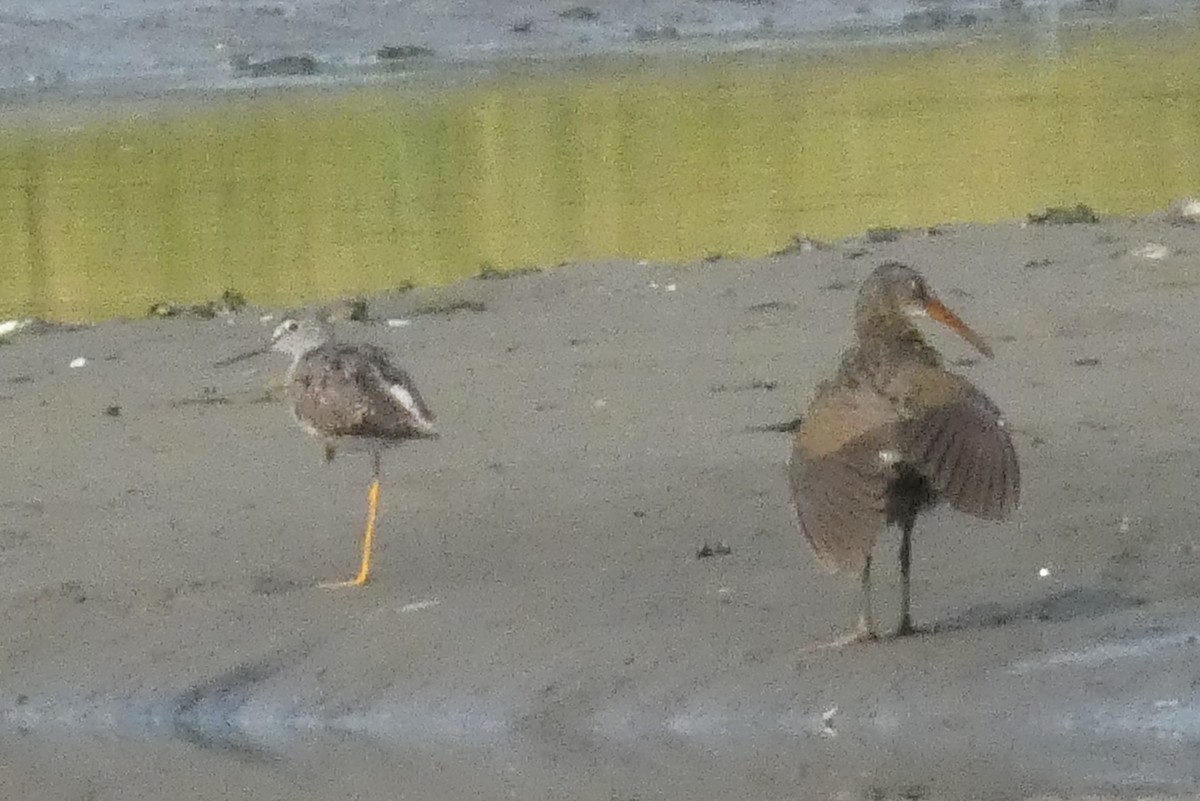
(368, 538)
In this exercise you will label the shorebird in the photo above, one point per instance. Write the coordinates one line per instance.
(892, 434)
(348, 394)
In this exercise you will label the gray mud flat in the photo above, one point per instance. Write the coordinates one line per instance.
(539, 625)
(55, 49)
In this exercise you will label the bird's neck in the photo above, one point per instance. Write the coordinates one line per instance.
(297, 357)
(894, 339)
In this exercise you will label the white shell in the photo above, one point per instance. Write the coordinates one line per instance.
(1151, 250)
(9, 326)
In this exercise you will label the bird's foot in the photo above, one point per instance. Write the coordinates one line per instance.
(907, 629)
(856, 637)
(333, 585)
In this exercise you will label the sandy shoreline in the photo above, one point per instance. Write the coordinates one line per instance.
(539, 625)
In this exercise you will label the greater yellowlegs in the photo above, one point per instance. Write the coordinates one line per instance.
(348, 394)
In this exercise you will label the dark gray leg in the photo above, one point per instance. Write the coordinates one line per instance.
(866, 622)
(864, 631)
(906, 626)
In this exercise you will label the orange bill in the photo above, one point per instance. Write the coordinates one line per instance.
(938, 311)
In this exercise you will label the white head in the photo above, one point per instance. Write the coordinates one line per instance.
(298, 337)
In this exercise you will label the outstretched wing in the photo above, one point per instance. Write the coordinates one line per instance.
(843, 458)
(959, 440)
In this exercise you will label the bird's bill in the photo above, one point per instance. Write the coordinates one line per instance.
(241, 357)
(938, 311)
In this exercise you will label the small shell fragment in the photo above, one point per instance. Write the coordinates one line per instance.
(1151, 250)
(827, 729)
(1044, 572)
(78, 362)
(1184, 209)
(12, 326)
(417, 606)
(396, 322)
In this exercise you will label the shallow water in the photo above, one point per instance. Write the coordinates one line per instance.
(308, 194)
(1115, 716)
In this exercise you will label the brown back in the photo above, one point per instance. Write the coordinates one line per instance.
(351, 390)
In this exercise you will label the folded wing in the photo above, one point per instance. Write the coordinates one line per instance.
(343, 390)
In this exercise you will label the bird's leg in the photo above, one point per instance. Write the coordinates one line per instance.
(368, 534)
(906, 626)
(864, 631)
(866, 624)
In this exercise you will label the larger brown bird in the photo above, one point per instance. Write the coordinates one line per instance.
(894, 433)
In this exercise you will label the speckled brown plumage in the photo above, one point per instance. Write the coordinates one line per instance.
(338, 390)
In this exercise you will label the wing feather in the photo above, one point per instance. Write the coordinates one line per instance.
(958, 439)
(841, 464)
(354, 390)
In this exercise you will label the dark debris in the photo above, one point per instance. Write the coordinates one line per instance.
(773, 306)
(583, 13)
(400, 52)
(1065, 215)
(787, 427)
(449, 307)
(883, 233)
(720, 549)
